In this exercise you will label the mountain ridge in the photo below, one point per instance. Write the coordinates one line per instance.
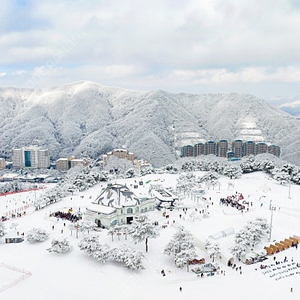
(88, 119)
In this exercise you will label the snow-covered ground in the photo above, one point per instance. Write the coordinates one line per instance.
(74, 275)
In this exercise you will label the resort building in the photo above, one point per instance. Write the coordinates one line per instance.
(64, 164)
(117, 204)
(238, 149)
(210, 148)
(119, 153)
(31, 157)
(222, 148)
(187, 151)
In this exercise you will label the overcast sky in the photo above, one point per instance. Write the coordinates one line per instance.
(196, 46)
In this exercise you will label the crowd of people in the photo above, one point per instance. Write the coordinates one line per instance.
(237, 201)
(67, 216)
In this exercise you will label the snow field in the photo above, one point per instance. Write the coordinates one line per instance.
(74, 275)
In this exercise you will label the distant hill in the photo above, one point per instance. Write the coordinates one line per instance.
(88, 119)
(289, 105)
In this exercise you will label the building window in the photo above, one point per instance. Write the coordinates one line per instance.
(136, 209)
(145, 210)
(27, 157)
(129, 211)
(114, 222)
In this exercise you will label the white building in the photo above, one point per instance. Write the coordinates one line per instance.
(163, 196)
(117, 204)
(32, 157)
(2, 163)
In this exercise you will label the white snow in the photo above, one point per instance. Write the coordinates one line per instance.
(102, 209)
(74, 275)
(87, 120)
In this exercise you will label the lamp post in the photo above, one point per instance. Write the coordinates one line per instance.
(289, 196)
(272, 208)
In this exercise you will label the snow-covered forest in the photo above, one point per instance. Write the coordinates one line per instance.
(62, 120)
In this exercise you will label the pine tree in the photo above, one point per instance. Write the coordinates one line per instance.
(233, 172)
(213, 248)
(102, 252)
(86, 225)
(182, 246)
(142, 229)
(127, 255)
(60, 245)
(2, 229)
(37, 235)
(249, 236)
(89, 244)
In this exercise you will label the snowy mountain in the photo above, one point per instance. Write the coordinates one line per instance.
(88, 119)
(289, 105)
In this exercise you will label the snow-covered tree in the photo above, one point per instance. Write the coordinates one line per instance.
(259, 228)
(132, 259)
(60, 245)
(142, 229)
(102, 252)
(182, 246)
(124, 230)
(2, 229)
(89, 244)
(281, 176)
(118, 165)
(37, 235)
(76, 227)
(86, 225)
(209, 177)
(239, 250)
(111, 231)
(130, 173)
(213, 248)
(232, 171)
(249, 236)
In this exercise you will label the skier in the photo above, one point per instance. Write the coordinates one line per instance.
(180, 289)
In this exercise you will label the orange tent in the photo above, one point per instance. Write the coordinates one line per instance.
(289, 242)
(294, 240)
(269, 250)
(280, 246)
(286, 245)
(274, 248)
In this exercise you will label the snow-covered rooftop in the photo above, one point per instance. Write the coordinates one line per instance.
(102, 209)
(117, 195)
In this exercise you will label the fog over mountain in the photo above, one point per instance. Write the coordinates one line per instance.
(88, 119)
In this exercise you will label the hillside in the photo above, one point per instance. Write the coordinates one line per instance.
(88, 119)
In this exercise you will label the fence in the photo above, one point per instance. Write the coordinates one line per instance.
(25, 274)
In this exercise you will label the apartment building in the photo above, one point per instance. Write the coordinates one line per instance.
(64, 164)
(210, 148)
(238, 149)
(199, 149)
(2, 163)
(187, 151)
(222, 148)
(261, 148)
(31, 157)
